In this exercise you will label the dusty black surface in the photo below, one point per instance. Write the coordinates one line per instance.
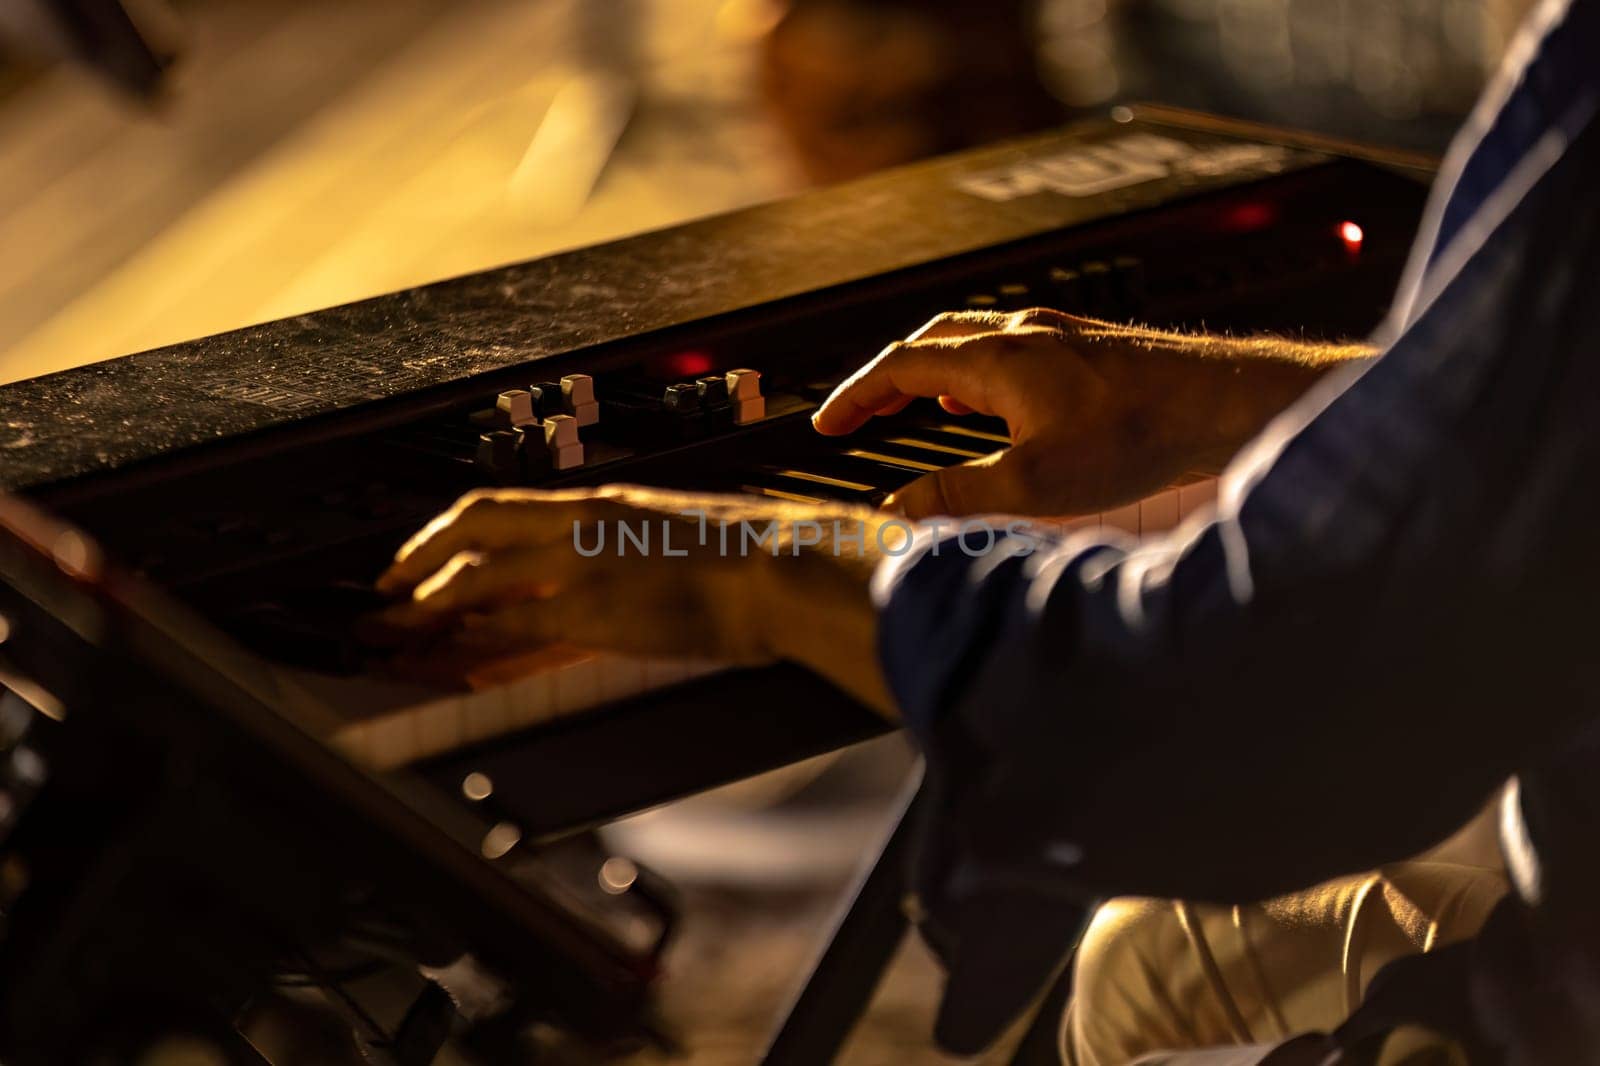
(109, 415)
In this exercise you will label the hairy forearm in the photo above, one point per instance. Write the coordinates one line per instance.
(1254, 378)
(1224, 388)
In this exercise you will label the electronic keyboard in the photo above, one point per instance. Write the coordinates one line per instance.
(238, 494)
(265, 476)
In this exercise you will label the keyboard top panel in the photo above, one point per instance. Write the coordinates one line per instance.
(107, 416)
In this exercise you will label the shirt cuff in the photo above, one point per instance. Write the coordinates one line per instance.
(936, 598)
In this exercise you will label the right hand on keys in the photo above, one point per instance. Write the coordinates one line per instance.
(1100, 414)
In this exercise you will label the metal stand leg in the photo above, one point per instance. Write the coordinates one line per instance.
(1041, 1044)
(845, 976)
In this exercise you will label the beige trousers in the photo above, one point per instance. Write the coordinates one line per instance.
(1162, 975)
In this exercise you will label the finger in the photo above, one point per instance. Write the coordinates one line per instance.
(652, 609)
(477, 581)
(969, 323)
(963, 368)
(1042, 318)
(959, 324)
(993, 484)
(485, 522)
(900, 373)
(895, 406)
(571, 617)
(954, 406)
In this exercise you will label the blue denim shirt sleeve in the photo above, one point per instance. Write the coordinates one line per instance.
(1232, 710)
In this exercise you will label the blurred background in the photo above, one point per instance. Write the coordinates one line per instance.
(169, 170)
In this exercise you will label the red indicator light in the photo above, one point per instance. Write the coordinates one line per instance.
(688, 364)
(1352, 235)
(1252, 215)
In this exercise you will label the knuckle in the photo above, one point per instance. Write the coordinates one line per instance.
(894, 352)
(608, 502)
(462, 570)
(1034, 317)
(998, 347)
(465, 561)
(1024, 468)
(476, 503)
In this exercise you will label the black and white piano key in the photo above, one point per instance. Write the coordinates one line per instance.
(799, 481)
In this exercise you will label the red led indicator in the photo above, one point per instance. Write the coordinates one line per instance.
(688, 364)
(1352, 235)
(1252, 215)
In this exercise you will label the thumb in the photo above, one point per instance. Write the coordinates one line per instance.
(994, 484)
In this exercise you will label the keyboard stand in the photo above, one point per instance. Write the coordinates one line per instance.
(868, 931)
(865, 937)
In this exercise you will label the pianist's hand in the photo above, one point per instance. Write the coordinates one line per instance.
(675, 574)
(1100, 414)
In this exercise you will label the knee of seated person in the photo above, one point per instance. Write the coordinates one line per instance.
(1115, 1015)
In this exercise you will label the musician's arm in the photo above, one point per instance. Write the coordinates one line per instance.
(1100, 413)
(1375, 629)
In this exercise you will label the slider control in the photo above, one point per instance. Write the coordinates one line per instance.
(578, 399)
(499, 454)
(744, 392)
(515, 408)
(561, 442)
(681, 399)
(547, 399)
(713, 390)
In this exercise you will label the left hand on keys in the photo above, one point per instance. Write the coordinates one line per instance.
(675, 574)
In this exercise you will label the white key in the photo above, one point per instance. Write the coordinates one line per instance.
(576, 684)
(440, 732)
(587, 414)
(1193, 497)
(1123, 518)
(385, 723)
(1158, 513)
